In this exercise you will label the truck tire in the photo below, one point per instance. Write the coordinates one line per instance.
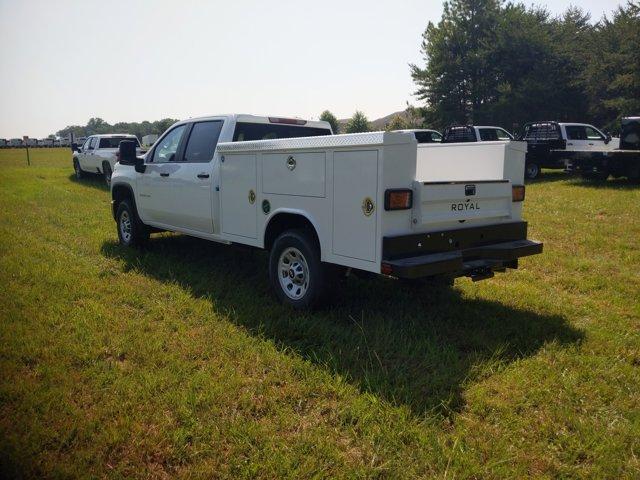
(532, 170)
(296, 273)
(131, 230)
(106, 172)
(76, 168)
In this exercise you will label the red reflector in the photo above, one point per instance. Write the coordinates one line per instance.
(287, 121)
(398, 199)
(386, 269)
(517, 193)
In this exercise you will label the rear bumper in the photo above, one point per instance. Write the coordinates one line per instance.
(476, 252)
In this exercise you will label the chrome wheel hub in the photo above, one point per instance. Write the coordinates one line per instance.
(293, 273)
(125, 226)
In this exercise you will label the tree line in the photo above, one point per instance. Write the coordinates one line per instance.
(495, 63)
(506, 64)
(489, 62)
(97, 126)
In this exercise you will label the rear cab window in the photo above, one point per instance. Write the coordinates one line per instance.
(428, 137)
(202, 141)
(268, 131)
(114, 142)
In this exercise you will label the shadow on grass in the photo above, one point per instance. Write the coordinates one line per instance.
(611, 184)
(410, 348)
(93, 180)
(547, 176)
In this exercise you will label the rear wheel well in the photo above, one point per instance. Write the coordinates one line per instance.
(288, 221)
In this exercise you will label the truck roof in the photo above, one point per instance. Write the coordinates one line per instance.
(111, 135)
(248, 118)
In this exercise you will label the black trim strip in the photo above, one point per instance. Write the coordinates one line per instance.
(465, 262)
(403, 246)
(465, 182)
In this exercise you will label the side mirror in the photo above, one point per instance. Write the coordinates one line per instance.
(607, 138)
(139, 165)
(75, 147)
(127, 152)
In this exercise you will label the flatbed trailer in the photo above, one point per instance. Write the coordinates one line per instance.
(601, 164)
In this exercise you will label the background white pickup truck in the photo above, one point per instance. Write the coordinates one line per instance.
(322, 204)
(98, 154)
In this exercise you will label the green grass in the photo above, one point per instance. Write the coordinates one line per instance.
(177, 362)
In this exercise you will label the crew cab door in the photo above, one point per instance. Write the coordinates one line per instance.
(155, 196)
(84, 156)
(577, 139)
(190, 178)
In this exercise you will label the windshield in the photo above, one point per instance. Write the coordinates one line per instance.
(114, 142)
(269, 131)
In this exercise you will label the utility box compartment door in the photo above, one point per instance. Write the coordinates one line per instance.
(355, 193)
(238, 179)
(301, 174)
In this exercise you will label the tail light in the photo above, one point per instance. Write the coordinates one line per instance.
(398, 199)
(517, 193)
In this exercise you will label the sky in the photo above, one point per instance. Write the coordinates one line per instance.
(63, 62)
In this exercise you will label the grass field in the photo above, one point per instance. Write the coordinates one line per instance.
(177, 361)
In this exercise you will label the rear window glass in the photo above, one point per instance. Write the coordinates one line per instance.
(459, 134)
(202, 142)
(428, 137)
(269, 131)
(114, 142)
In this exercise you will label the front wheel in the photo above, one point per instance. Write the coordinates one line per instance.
(296, 273)
(131, 230)
(78, 171)
(532, 170)
(106, 172)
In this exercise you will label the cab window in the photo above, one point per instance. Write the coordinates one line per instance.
(86, 144)
(593, 134)
(488, 134)
(202, 142)
(502, 134)
(167, 148)
(93, 143)
(428, 137)
(576, 132)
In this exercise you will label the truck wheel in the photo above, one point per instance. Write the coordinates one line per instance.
(532, 170)
(106, 171)
(296, 273)
(131, 230)
(77, 169)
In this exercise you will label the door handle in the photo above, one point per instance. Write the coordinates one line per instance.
(591, 144)
(164, 174)
(203, 175)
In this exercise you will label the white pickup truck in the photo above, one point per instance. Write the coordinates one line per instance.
(98, 154)
(327, 204)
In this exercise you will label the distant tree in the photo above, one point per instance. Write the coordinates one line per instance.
(397, 123)
(613, 72)
(458, 80)
(414, 116)
(358, 123)
(327, 116)
(98, 125)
